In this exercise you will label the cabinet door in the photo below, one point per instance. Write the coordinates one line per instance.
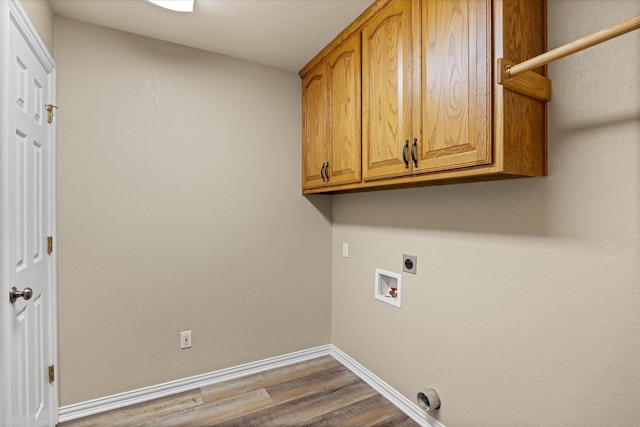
(455, 85)
(386, 85)
(314, 127)
(344, 113)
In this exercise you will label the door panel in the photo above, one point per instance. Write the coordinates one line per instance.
(314, 127)
(344, 113)
(19, 158)
(29, 222)
(386, 85)
(456, 99)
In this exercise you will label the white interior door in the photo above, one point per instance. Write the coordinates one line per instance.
(28, 219)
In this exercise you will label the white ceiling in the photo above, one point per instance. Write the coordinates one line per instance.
(281, 33)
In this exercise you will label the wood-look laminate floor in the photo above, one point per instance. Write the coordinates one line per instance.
(318, 392)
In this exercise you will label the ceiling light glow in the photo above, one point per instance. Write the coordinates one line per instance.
(175, 5)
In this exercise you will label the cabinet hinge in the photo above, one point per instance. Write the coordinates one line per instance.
(50, 108)
(50, 245)
(52, 374)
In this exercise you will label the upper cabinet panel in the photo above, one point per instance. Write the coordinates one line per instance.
(456, 84)
(331, 119)
(386, 84)
(314, 128)
(344, 113)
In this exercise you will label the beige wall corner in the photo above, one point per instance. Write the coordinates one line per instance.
(524, 310)
(180, 208)
(42, 18)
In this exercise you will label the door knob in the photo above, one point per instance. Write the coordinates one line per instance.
(14, 294)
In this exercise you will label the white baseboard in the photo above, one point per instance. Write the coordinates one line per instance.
(116, 401)
(412, 410)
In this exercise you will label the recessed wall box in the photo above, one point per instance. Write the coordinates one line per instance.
(388, 287)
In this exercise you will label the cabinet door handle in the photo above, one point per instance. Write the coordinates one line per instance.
(404, 154)
(322, 173)
(414, 157)
(326, 171)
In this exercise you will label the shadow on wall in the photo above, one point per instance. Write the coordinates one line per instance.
(611, 120)
(581, 197)
(508, 207)
(323, 204)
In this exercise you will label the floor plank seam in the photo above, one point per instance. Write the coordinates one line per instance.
(316, 392)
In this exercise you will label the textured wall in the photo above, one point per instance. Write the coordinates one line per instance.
(180, 209)
(41, 17)
(525, 307)
(526, 298)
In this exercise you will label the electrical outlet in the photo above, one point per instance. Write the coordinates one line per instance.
(410, 264)
(185, 339)
(345, 250)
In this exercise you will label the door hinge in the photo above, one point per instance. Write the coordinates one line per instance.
(50, 108)
(50, 245)
(52, 374)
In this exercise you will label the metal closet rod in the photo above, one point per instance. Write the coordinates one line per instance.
(573, 47)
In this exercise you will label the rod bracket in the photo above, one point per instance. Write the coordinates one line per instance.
(528, 83)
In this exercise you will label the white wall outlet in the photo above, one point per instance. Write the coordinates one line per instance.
(185, 339)
(345, 250)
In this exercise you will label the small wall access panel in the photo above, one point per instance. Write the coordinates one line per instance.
(388, 287)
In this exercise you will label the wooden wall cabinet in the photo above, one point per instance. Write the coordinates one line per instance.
(432, 109)
(331, 119)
